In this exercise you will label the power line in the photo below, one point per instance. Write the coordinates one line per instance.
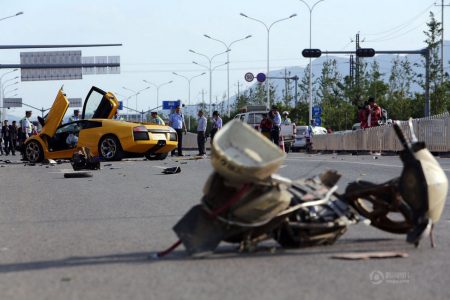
(403, 25)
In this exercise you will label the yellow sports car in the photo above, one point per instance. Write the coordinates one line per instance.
(97, 130)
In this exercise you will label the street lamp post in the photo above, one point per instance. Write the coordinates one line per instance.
(189, 90)
(1, 94)
(210, 59)
(310, 8)
(126, 99)
(136, 93)
(211, 70)
(268, 48)
(228, 49)
(157, 88)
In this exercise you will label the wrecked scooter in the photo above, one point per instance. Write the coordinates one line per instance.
(244, 202)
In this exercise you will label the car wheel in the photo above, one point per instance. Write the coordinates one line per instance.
(110, 148)
(156, 156)
(34, 152)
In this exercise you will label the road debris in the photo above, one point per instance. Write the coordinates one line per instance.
(83, 160)
(244, 202)
(172, 170)
(78, 174)
(369, 255)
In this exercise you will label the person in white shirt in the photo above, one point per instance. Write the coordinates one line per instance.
(276, 119)
(72, 140)
(201, 130)
(286, 119)
(26, 128)
(216, 124)
(76, 116)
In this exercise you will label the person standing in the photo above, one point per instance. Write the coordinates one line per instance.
(1, 141)
(266, 126)
(308, 135)
(6, 137)
(201, 133)
(276, 119)
(14, 136)
(374, 113)
(26, 130)
(176, 121)
(76, 116)
(362, 115)
(155, 119)
(216, 124)
(286, 119)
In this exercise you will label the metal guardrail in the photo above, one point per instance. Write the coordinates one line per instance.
(434, 131)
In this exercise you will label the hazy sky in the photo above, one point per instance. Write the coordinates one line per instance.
(156, 37)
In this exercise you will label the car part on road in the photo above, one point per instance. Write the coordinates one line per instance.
(83, 160)
(172, 170)
(368, 255)
(245, 203)
(78, 174)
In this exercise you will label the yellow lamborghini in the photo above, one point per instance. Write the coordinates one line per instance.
(97, 130)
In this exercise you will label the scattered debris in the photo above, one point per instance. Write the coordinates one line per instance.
(83, 160)
(78, 174)
(107, 165)
(66, 279)
(369, 255)
(172, 170)
(49, 162)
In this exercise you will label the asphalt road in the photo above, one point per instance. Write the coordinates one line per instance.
(89, 238)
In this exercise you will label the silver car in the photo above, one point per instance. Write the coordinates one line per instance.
(300, 139)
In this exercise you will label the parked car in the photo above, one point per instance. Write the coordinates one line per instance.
(98, 131)
(300, 139)
(253, 118)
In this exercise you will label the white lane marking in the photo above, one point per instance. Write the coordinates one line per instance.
(350, 162)
(344, 161)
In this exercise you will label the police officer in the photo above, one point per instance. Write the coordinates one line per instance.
(286, 120)
(176, 121)
(201, 130)
(276, 119)
(76, 116)
(26, 128)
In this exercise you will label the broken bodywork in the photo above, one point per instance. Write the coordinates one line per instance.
(244, 202)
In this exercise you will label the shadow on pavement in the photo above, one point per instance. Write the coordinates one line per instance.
(223, 252)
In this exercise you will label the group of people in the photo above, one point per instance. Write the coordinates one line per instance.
(271, 124)
(177, 122)
(202, 124)
(370, 114)
(13, 136)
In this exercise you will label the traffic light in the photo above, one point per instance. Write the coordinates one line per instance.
(311, 53)
(365, 52)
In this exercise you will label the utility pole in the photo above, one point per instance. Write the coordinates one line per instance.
(352, 70)
(442, 5)
(238, 93)
(357, 62)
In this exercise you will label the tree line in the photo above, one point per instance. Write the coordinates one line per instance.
(340, 96)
